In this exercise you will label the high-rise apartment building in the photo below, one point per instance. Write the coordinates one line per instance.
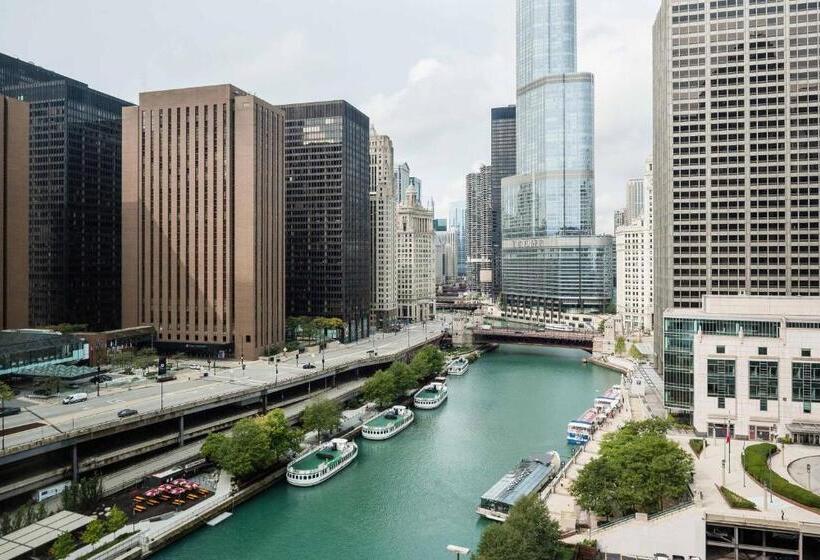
(401, 175)
(14, 201)
(383, 304)
(327, 170)
(203, 220)
(75, 190)
(635, 189)
(551, 259)
(502, 150)
(737, 183)
(635, 257)
(415, 259)
(446, 245)
(479, 218)
(457, 222)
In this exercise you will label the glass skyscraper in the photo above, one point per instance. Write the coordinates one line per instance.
(551, 257)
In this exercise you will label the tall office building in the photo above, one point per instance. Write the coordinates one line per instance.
(552, 261)
(14, 201)
(383, 304)
(415, 182)
(327, 155)
(457, 222)
(619, 218)
(502, 149)
(736, 143)
(446, 249)
(203, 220)
(415, 260)
(75, 190)
(401, 175)
(479, 221)
(635, 190)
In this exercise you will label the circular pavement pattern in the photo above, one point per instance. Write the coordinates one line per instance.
(799, 472)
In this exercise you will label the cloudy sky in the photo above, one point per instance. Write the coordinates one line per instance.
(425, 71)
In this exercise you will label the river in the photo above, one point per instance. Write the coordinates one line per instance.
(408, 497)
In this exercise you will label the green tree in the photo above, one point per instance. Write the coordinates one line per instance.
(322, 415)
(246, 452)
(5, 524)
(381, 388)
(405, 376)
(41, 511)
(282, 437)
(635, 354)
(62, 547)
(620, 345)
(94, 531)
(528, 534)
(427, 361)
(116, 520)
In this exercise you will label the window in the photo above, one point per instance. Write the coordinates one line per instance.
(720, 350)
(762, 380)
(764, 405)
(720, 376)
(805, 352)
(805, 382)
(762, 351)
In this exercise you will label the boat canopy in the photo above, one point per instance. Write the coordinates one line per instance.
(530, 475)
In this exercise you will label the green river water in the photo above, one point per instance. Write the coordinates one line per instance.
(408, 497)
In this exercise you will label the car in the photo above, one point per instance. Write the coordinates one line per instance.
(308, 366)
(9, 411)
(75, 398)
(102, 378)
(166, 377)
(126, 412)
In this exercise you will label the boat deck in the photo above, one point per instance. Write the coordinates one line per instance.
(429, 394)
(313, 461)
(382, 421)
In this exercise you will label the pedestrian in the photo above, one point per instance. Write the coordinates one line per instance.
(782, 515)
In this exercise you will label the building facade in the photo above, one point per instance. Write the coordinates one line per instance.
(502, 161)
(327, 170)
(401, 175)
(619, 218)
(384, 303)
(75, 190)
(747, 364)
(203, 220)
(446, 250)
(14, 206)
(415, 259)
(479, 218)
(457, 222)
(735, 152)
(635, 257)
(548, 208)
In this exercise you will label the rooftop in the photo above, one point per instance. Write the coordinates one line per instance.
(528, 477)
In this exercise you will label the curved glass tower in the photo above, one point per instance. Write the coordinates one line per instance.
(548, 208)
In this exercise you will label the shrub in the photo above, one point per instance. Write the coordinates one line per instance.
(116, 520)
(736, 501)
(62, 547)
(697, 446)
(756, 463)
(94, 531)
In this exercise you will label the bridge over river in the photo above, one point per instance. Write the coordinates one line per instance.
(583, 340)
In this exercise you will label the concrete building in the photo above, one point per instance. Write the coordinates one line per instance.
(548, 208)
(735, 153)
(481, 254)
(203, 220)
(635, 257)
(502, 162)
(619, 218)
(415, 260)
(327, 155)
(446, 249)
(748, 363)
(383, 303)
(457, 222)
(401, 175)
(74, 196)
(14, 208)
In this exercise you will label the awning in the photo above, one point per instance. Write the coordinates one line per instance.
(803, 428)
(23, 541)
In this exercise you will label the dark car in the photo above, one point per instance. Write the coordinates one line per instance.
(102, 378)
(166, 377)
(9, 411)
(126, 412)
(308, 366)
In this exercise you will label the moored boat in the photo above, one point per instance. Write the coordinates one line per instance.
(431, 395)
(609, 402)
(531, 475)
(388, 423)
(320, 463)
(459, 366)
(580, 430)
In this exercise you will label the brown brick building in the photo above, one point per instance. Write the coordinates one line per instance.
(203, 220)
(14, 203)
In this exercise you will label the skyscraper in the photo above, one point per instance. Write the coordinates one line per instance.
(327, 159)
(402, 180)
(203, 220)
(736, 135)
(415, 260)
(551, 259)
(479, 221)
(502, 149)
(383, 305)
(75, 190)
(457, 222)
(14, 189)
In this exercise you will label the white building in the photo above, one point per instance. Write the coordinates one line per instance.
(634, 254)
(750, 362)
(384, 296)
(415, 258)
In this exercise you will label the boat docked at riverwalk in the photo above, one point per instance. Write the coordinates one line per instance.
(580, 430)
(530, 476)
(459, 366)
(388, 423)
(322, 462)
(432, 395)
(610, 402)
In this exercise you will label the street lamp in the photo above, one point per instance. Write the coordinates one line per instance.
(808, 474)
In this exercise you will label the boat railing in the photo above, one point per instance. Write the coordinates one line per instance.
(325, 466)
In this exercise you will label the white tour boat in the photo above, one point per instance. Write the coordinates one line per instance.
(320, 463)
(432, 395)
(459, 366)
(388, 423)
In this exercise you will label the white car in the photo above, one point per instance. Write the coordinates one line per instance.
(75, 398)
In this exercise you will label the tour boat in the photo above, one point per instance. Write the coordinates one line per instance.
(580, 431)
(459, 366)
(432, 395)
(530, 476)
(388, 423)
(609, 401)
(320, 463)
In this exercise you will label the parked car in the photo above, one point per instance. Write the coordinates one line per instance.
(9, 411)
(126, 412)
(308, 366)
(102, 378)
(75, 398)
(166, 377)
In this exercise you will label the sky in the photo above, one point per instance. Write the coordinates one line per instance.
(427, 72)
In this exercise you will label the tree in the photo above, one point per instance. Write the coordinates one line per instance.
(406, 377)
(282, 437)
(427, 361)
(322, 415)
(246, 452)
(116, 520)
(62, 547)
(528, 534)
(381, 388)
(94, 531)
(620, 345)
(635, 354)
